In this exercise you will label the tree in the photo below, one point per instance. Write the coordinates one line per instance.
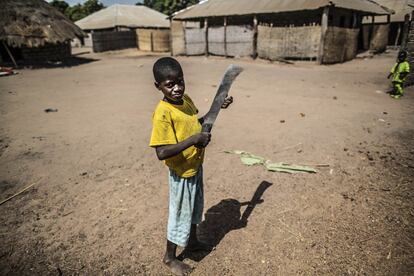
(60, 5)
(76, 12)
(168, 6)
(91, 6)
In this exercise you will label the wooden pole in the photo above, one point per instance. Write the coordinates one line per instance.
(355, 20)
(206, 35)
(170, 39)
(9, 53)
(185, 39)
(398, 35)
(225, 36)
(372, 32)
(324, 27)
(405, 31)
(152, 42)
(255, 32)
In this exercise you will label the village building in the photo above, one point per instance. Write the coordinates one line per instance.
(32, 31)
(126, 26)
(327, 31)
(380, 32)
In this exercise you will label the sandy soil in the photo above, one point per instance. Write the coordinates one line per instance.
(99, 205)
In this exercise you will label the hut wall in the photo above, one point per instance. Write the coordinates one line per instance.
(395, 33)
(379, 38)
(48, 52)
(112, 40)
(239, 40)
(288, 42)
(341, 44)
(155, 40)
(375, 38)
(216, 42)
(177, 38)
(88, 40)
(408, 44)
(366, 35)
(195, 41)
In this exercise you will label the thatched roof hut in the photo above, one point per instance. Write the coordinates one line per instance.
(128, 16)
(34, 23)
(124, 26)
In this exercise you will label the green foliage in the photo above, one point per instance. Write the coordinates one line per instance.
(91, 6)
(168, 6)
(60, 5)
(77, 11)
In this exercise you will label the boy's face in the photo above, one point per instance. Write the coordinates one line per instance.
(172, 87)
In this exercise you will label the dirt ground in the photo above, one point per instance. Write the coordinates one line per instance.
(99, 204)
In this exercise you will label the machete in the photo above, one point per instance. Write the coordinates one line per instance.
(231, 73)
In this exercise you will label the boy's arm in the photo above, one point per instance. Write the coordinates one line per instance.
(403, 75)
(199, 140)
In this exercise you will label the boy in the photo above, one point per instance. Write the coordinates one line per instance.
(399, 72)
(179, 142)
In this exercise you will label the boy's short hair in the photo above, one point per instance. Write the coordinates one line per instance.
(164, 67)
(402, 54)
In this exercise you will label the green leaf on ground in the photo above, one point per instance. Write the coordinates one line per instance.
(251, 159)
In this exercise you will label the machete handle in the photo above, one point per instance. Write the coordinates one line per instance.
(206, 128)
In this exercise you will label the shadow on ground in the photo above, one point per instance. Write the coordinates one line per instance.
(69, 62)
(222, 218)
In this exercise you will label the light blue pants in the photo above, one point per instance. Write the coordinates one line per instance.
(186, 206)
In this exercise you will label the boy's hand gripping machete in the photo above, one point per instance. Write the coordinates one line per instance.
(231, 73)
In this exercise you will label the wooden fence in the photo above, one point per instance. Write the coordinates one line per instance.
(288, 42)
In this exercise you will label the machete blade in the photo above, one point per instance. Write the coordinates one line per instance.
(231, 74)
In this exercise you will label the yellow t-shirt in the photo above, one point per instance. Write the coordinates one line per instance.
(172, 124)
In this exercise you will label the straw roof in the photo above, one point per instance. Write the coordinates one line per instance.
(124, 16)
(212, 8)
(33, 23)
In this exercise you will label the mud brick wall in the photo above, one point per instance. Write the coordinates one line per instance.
(48, 52)
(155, 40)
(112, 40)
(341, 44)
(288, 42)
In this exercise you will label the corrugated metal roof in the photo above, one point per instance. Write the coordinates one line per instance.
(400, 7)
(126, 16)
(212, 8)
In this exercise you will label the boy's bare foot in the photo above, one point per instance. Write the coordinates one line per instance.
(199, 246)
(177, 267)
